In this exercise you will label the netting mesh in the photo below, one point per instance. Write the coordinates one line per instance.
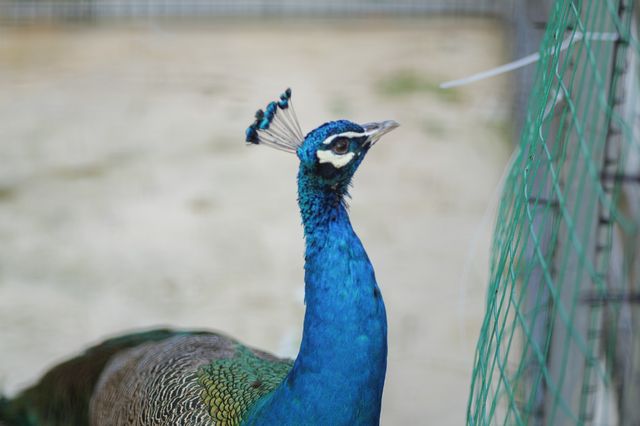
(560, 341)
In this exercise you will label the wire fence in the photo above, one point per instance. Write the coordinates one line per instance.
(17, 11)
(560, 342)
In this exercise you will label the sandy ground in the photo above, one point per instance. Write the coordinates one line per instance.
(129, 200)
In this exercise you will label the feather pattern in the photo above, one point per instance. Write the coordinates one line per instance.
(190, 380)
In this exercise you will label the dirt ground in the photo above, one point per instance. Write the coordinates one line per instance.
(129, 200)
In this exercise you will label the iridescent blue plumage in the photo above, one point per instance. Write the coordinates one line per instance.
(276, 126)
(252, 134)
(338, 376)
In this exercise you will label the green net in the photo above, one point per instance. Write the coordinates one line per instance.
(560, 340)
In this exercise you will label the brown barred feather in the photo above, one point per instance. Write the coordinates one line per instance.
(171, 383)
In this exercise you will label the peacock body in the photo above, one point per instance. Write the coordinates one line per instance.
(165, 377)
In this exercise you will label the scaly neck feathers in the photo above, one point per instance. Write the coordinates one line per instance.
(338, 376)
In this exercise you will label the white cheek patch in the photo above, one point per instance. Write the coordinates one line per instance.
(336, 160)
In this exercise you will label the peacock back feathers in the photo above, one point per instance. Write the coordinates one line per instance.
(62, 395)
(186, 379)
(150, 378)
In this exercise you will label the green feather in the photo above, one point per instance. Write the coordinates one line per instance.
(231, 386)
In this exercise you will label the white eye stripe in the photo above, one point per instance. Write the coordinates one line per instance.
(330, 139)
(336, 160)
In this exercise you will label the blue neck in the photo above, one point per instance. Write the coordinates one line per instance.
(338, 376)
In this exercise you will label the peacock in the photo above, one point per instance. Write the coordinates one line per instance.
(170, 377)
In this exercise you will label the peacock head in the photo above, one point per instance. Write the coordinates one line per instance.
(329, 154)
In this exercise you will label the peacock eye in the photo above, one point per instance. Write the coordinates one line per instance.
(340, 146)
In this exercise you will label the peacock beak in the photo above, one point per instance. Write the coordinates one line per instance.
(376, 130)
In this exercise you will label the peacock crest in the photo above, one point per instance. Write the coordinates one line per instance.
(277, 126)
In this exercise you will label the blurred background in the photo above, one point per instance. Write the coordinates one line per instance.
(129, 200)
